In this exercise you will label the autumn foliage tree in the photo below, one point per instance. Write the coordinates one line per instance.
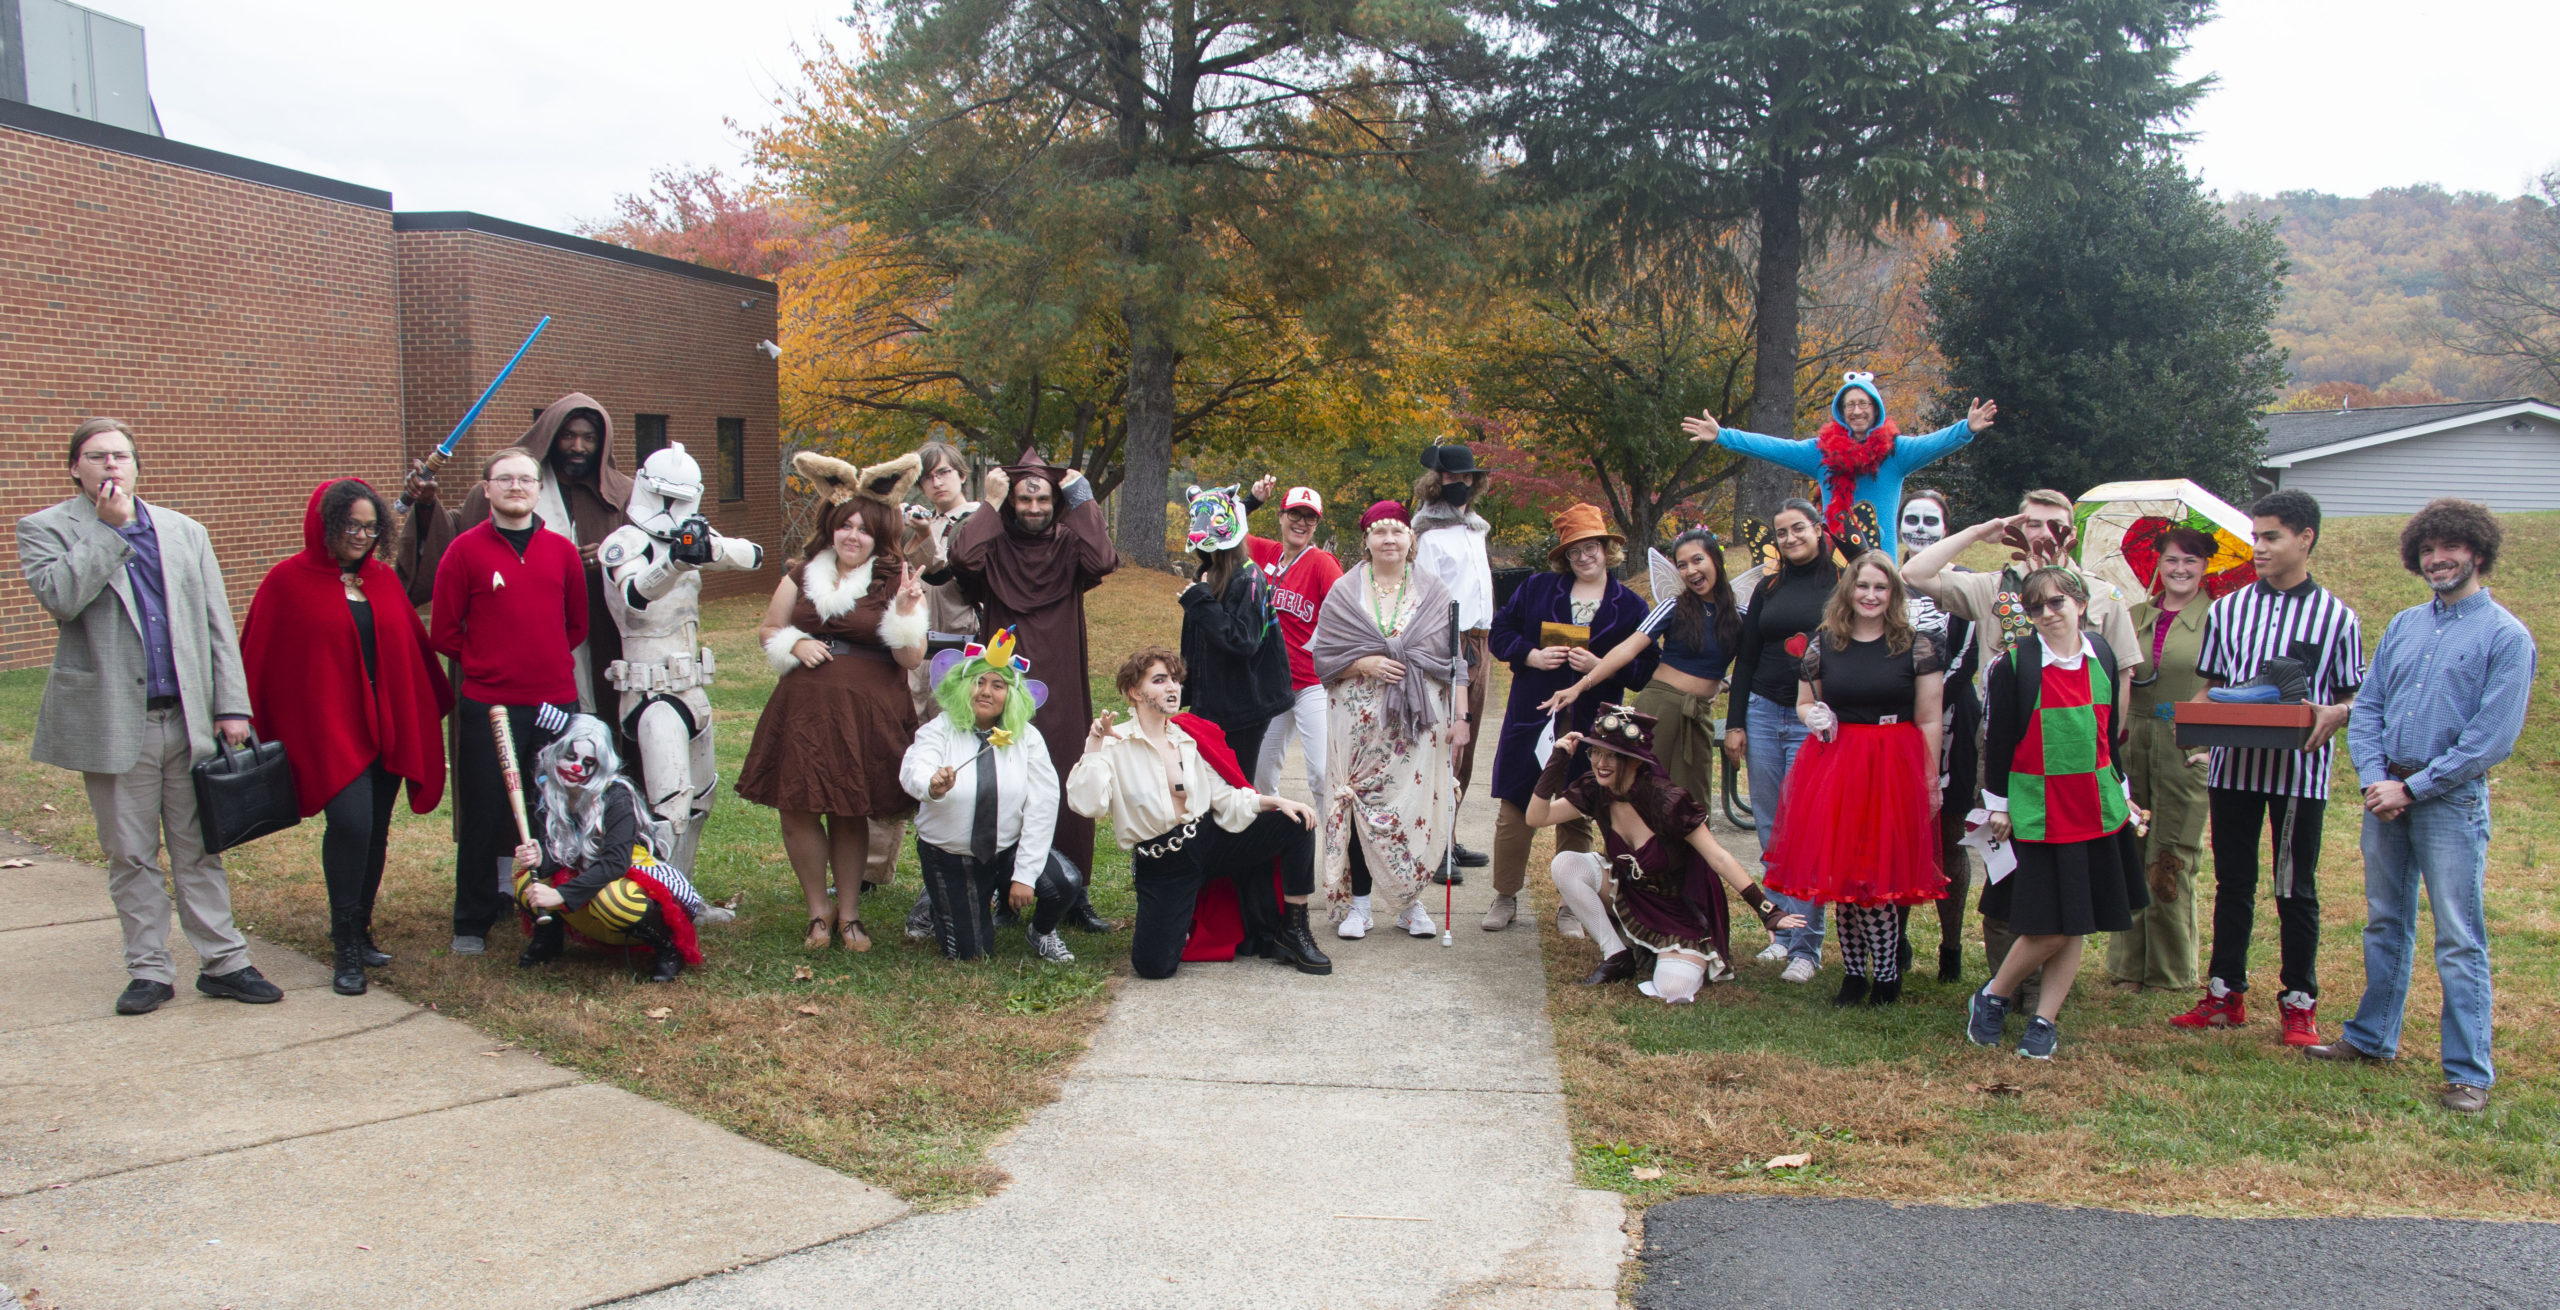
(702, 217)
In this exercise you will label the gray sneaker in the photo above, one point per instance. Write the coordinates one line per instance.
(470, 945)
(1985, 1015)
(920, 919)
(1048, 946)
(2041, 1037)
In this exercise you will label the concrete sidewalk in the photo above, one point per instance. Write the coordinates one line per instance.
(338, 1151)
(1392, 1135)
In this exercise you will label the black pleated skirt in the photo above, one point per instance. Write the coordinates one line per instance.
(2071, 888)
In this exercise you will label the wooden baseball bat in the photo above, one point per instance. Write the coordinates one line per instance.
(504, 731)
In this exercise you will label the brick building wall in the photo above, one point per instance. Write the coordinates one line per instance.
(248, 331)
(265, 330)
(642, 336)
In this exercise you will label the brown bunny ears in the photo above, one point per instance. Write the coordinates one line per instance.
(839, 481)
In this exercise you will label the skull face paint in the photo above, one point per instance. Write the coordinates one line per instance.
(1924, 524)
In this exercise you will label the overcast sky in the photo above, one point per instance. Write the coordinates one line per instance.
(543, 111)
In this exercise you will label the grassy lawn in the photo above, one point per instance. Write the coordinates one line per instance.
(896, 1066)
(1895, 1105)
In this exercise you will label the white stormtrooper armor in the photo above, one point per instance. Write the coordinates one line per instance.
(656, 600)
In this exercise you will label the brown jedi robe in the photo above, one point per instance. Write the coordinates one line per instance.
(1035, 585)
(595, 507)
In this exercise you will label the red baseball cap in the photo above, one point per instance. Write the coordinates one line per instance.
(1304, 498)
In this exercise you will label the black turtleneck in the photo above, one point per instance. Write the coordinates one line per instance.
(1782, 608)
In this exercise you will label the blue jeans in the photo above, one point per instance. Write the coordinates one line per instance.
(2445, 843)
(1775, 735)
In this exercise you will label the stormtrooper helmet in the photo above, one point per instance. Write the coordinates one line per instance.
(667, 492)
(1924, 522)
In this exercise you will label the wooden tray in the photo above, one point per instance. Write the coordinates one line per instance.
(2264, 727)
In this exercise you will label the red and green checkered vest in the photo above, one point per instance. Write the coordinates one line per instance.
(2063, 784)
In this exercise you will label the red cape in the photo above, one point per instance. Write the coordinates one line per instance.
(1217, 922)
(307, 687)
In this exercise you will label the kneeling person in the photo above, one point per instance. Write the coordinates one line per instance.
(592, 872)
(1149, 777)
(987, 803)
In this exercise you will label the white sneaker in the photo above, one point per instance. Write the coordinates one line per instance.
(1569, 926)
(1417, 921)
(1772, 953)
(1799, 970)
(1354, 926)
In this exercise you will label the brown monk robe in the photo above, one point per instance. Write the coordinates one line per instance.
(1027, 566)
(581, 499)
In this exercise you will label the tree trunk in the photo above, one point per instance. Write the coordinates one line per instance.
(1774, 345)
(1147, 460)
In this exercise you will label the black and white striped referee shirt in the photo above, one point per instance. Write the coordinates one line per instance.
(2256, 623)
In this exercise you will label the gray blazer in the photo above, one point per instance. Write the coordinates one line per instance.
(93, 698)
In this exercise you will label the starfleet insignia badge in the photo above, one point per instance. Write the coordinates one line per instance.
(497, 579)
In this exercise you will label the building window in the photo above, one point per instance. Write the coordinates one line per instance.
(652, 434)
(733, 459)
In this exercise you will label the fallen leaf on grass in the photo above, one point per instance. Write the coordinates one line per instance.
(1797, 1161)
(808, 1009)
(1644, 1173)
(733, 902)
(802, 973)
(362, 1247)
(48, 809)
(661, 1013)
(17, 864)
(1995, 1089)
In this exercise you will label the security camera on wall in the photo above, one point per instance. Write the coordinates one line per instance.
(769, 350)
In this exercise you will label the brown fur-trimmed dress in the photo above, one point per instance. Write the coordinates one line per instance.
(831, 738)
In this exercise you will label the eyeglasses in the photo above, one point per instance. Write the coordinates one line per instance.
(2049, 605)
(516, 480)
(362, 531)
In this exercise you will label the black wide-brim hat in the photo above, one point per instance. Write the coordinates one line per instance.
(1451, 457)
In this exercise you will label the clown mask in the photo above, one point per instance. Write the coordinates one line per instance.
(578, 766)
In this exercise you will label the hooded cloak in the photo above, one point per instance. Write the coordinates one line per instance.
(307, 682)
(1034, 583)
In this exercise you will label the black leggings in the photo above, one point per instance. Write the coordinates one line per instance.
(1168, 886)
(961, 892)
(484, 825)
(1359, 868)
(351, 850)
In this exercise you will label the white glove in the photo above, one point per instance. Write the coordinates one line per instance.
(1820, 719)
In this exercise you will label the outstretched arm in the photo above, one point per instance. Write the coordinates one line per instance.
(1618, 658)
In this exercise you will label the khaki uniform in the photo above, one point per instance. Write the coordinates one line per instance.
(2160, 949)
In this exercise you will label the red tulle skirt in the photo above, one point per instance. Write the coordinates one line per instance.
(1854, 824)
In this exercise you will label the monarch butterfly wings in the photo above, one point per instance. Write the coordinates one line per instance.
(1863, 533)
(1762, 547)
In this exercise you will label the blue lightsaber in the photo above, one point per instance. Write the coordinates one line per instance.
(436, 458)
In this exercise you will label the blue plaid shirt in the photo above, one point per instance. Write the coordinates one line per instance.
(2445, 696)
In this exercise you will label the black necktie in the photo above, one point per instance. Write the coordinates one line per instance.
(982, 830)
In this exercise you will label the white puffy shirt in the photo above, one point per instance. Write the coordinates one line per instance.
(1125, 779)
(1456, 556)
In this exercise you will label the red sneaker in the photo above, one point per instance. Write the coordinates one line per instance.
(2229, 1010)
(2297, 1019)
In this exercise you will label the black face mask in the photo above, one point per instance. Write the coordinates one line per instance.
(1457, 493)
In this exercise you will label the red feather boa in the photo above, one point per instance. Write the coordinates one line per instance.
(679, 920)
(1847, 459)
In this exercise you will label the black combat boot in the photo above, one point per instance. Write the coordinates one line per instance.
(1617, 968)
(348, 977)
(549, 939)
(1853, 989)
(1294, 944)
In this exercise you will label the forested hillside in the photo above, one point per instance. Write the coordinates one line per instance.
(2364, 304)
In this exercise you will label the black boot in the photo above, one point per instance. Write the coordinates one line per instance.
(1295, 944)
(374, 956)
(1853, 989)
(1468, 859)
(1950, 961)
(666, 964)
(348, 977)
(1082, 916)
(1617, 968)
(549, 939)
(1888, 992)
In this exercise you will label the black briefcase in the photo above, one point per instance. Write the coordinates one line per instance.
(245, 792)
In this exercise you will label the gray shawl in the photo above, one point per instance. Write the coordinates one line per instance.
(1345, 631)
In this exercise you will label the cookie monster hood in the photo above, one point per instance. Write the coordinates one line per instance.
(1865, 382)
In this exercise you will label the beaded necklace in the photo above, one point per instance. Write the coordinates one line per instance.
(1393, 619)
